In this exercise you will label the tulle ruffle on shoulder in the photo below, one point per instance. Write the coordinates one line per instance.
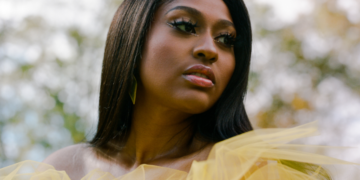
(263, 154)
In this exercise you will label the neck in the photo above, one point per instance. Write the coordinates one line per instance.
(158, 133)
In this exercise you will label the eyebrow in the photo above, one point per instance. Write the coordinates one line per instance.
(195, 12)
(190, 10)
(225, 23)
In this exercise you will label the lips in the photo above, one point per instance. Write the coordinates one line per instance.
(200, 75)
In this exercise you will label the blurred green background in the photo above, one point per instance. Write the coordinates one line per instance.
(305, 67)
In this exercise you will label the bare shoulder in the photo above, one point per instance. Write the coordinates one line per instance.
(204, 153)
(69, 159)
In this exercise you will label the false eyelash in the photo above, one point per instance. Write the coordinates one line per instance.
(230, 37)
(183, 22)
(175, 25)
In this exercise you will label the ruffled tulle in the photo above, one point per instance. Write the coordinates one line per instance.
(263, 154)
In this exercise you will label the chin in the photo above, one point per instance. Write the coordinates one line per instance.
(196, 105)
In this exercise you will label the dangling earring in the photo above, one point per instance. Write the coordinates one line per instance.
(132, 89)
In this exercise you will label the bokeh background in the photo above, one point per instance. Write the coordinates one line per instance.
(305, 67)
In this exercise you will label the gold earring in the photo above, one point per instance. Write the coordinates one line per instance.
(132, 90)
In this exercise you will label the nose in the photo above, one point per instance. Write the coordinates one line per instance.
(205, 49)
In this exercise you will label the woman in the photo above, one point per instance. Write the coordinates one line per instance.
(173, 82)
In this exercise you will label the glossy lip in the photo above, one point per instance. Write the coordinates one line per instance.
(202, 69)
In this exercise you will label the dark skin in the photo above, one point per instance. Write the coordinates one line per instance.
(161, 125)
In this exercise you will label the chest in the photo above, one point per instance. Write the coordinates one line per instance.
(90, 161)
(118, 169)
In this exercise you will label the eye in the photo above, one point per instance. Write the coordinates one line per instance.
(226, 39)
(185, 26)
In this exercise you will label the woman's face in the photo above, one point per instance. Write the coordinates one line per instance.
(188, 57)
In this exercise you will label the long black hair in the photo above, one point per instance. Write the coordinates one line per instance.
(124, 44)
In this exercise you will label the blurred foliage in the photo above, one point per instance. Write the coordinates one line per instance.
(305, 67)
(50, 63)
(320, 46)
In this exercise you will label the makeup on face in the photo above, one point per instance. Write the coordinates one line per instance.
(188, 58)
(200, 75)
(186, 20)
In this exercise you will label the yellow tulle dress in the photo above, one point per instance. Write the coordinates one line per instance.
(263, 154)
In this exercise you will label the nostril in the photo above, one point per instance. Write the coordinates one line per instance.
(201, 55)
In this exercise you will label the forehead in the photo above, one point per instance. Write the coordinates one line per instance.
(215, 9)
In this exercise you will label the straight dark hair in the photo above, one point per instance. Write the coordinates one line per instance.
(124, 45)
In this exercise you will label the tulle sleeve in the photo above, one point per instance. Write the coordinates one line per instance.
(266, 155)
(32, 170)
(257, 155)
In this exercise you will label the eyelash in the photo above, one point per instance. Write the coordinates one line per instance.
(175, 24)
(230, 38)
(190, 28)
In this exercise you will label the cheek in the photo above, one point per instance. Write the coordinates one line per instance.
(231, 67)
(163, 47)
(162, 59)
(226, 68)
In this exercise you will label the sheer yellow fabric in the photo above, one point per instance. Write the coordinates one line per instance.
(257, 155)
